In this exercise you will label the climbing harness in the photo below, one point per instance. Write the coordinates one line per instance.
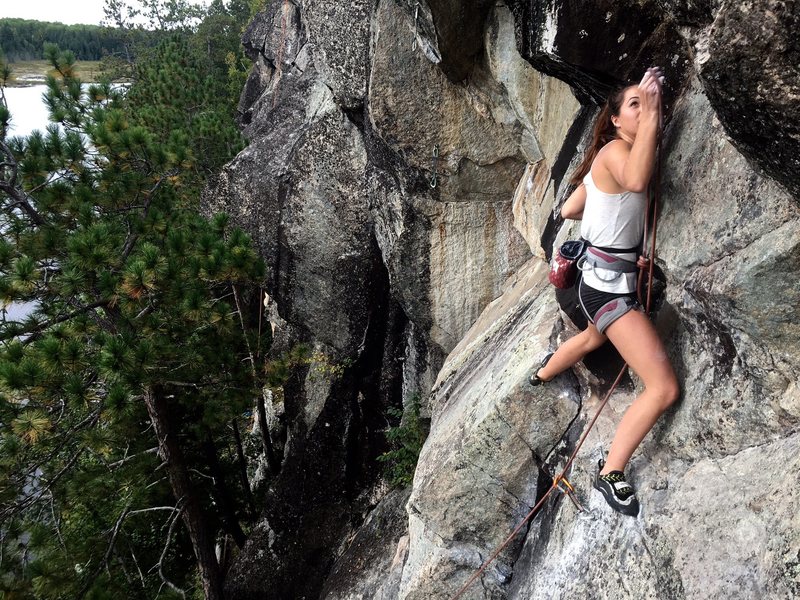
(559, 479)
(434, 164)
(609, 312)
(574, 255)
(595, 257)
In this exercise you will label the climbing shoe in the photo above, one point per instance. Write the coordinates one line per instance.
(534, 379)
(618, 493)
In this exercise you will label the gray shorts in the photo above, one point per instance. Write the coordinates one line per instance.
(603, 308)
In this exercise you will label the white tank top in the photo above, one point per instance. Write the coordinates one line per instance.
(612, 221)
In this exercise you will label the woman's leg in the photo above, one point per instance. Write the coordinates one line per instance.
(637, 341)
(571, 351)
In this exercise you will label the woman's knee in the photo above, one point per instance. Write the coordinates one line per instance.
(666, 392)
(592, 339)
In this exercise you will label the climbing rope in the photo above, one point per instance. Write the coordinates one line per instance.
(652, 205)
(554, 486)
(653, 192)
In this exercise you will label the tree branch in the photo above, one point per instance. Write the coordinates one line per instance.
(131, 241)
(122, 461)
(144, 510)
(55, 523)
(272, 461)
(138, 568)
(173, 519)
(20, 198)
(39, 493)
(109, 550)
(40, 327)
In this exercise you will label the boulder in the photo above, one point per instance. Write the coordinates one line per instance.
(425, 230)
(734, 350)
(727, 234)
(594, 46)
(715, 528)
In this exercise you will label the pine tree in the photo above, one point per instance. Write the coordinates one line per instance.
(177, 71)
(134, 363)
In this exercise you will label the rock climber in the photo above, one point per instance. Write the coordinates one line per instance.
(611, 201)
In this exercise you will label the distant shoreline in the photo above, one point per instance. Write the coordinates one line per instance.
(28, 73)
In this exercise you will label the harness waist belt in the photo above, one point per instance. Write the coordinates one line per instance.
(603, 260)
(633, 250)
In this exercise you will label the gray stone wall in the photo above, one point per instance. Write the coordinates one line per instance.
(440, 290)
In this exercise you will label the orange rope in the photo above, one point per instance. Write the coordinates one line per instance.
(652, 205)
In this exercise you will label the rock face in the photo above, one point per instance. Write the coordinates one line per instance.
(405, 167)
(596, 45)
(751, 75)
(491, 433)
(414, 113)
(373, 562)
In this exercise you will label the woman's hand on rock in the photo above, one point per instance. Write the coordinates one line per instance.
(650, 92)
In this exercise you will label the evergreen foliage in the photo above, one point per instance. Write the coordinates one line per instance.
(175, 70)
(23, 39)
(406, 439)
(156, 15)
(139, 336)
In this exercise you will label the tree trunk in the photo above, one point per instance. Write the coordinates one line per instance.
(200, 533)
(245, 482)
(266, 441)
(225, 502)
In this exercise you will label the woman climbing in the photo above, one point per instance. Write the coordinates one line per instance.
(611, 201)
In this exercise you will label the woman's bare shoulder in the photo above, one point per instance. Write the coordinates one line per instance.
(614, 149)
(612, 155)
(610, 158)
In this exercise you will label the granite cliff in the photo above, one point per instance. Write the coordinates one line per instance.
(406, 164)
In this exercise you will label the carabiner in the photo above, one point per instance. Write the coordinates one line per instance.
(434, 163)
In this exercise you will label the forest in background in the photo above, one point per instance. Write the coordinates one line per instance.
(23, 39)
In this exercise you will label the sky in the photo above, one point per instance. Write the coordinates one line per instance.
(89, 12)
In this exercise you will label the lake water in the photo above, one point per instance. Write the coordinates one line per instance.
(28, 111)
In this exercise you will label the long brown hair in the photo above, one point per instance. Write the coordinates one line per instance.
(604, 132)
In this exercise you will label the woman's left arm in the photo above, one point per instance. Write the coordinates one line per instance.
(573, 207)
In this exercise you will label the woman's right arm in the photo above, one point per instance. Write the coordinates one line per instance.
(573, 207)
(632, 168)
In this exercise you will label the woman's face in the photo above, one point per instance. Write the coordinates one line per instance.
(627, 122)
